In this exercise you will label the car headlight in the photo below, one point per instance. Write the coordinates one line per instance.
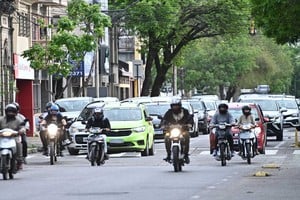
(73, 129)
(295, 114)
(175, 132)
(139, 129)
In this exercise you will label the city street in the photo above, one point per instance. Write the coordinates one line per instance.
(130, 176)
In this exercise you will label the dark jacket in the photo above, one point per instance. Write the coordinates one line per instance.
(183, 118)
(94, 122)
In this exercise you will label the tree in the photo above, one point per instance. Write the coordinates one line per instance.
(76, 35)
(166, 26)
(279, 19)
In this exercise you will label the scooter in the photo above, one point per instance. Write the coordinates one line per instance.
(175, 133)
(247, 140)
(223, 148)
(96, 143)
(8, 150)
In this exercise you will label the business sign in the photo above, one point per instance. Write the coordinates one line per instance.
(78, 68)
(22, 68)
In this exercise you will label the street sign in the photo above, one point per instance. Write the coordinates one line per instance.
(77, 72)
(138, 70)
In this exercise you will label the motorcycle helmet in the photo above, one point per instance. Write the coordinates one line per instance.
(11, 110)
(98, 113)
(17, 105)
(223, 108)
(48, 105)
(54, 109)
(176, 105)
(246, 110)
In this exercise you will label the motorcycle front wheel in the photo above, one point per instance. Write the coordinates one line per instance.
(92, 155)
(222, 154)
(100, 155)
(52, 152)
(248, 153)
(4, 166)
(176, 161)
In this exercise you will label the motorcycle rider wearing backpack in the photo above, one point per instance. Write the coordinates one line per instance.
(98, 120)
(178, 115)
(223, 116)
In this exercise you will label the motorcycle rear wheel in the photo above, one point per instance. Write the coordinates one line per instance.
(92, 155)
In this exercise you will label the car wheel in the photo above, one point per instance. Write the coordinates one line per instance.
(146, 150)
(152, 150)
(73, 152)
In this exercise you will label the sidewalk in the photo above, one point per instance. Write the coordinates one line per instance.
(34, 144)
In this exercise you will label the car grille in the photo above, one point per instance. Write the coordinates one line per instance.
(79, 139)
(118, 133)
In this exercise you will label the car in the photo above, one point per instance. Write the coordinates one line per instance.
(271, 110)
(138, 100)
(157, 110)
(71, 107)
(131, 129)
(262, 89)
(200, 108)
(194, 131)
(260, 131)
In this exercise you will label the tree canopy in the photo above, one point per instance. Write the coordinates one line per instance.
(279, 19)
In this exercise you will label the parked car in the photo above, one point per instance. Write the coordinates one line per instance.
(272, 111)
(194, 131)
(200, 108)
(260, 131)
(131, 129)
(262, 89)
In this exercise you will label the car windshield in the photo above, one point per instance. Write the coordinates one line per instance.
(237, 112)
(73, 105)
(265, 104)
(287, 103)
(210, 105)
(156, 109)
(197, 105)
(123, 114)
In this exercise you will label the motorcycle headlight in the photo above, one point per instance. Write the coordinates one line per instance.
(139, 129)
(52, 130)
(175, 132)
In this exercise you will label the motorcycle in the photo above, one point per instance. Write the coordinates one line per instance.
(246, 142)
(8, 150)
(223, 148)
(96, 144)
(177, 147)
(53, 137)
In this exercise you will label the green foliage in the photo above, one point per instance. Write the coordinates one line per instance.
(76, 34)
(279, 19)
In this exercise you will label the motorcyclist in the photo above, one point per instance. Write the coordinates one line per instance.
(98, 120)
(247, 118)
(13, 121)
(177, 115)
(23, 135)
(54, 117)
(223, 116)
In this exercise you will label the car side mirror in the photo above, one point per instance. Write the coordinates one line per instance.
(149, 119)
(159, 117)
(196, 111)
(283, 109)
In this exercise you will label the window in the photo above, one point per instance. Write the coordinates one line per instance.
(24, 25)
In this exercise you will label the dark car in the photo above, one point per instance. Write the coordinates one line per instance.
(200, 108)
(260, 131)
(157, 110)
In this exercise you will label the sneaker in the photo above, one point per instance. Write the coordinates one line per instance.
(186, 159)
(214, 154)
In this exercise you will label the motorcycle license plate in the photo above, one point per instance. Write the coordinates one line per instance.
(235, 142)
(116, 141)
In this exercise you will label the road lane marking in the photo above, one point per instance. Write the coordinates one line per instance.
(278, 145)
(296, 152)
(271, 152)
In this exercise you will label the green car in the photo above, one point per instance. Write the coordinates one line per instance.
(131, 129)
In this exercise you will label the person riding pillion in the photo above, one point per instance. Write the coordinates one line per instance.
(98, 120)
(177, 115)
(223, 116)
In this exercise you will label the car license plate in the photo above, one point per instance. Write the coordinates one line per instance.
(159, 132)
(116, 141)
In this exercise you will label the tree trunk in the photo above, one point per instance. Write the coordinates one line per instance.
(148, 76)
(221, 91)
(230, 93)
(159, 80)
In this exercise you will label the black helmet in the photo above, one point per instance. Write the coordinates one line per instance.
(223, 108)
(11, 110)
(246, 110)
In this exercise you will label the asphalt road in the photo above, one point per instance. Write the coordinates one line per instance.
(274, 175)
